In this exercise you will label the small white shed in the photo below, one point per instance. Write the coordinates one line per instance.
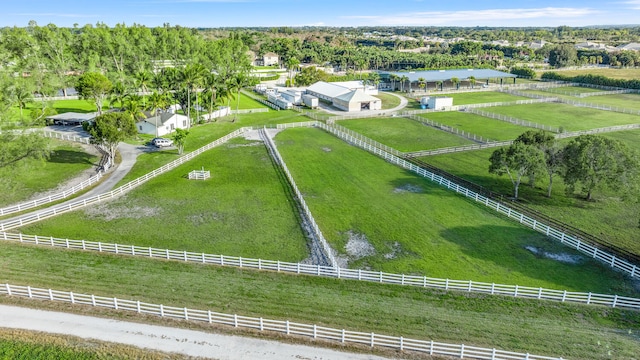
(433, 102)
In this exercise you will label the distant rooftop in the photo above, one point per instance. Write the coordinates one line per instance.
(443, 75)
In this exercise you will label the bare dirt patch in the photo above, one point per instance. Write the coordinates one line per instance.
(396, 249)
(561, 257)
(204, 218)
(408, 188)
(110, 212)
(358, 246)
(326, 149)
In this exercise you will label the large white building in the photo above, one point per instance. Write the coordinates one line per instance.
(343, 97)
(162, 124)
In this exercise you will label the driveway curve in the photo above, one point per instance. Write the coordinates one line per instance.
(166, 339)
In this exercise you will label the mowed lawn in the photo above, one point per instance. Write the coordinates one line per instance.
(628, 74)
(482, 97)
(30, 177)
(404, 134)
(416, 226)
(608, 217)
(389, 101)
(242, 210)
(623, 101)
(571, 118)
(479, 125)
(538, 327)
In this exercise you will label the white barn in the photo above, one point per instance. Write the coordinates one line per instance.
(162, 124)
(344, 98)
(436, 102)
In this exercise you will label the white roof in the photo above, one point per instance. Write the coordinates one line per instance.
(164, 118)
(328, 89)
(73, 116)
(357, 95)
(629, 46)
(352, 85)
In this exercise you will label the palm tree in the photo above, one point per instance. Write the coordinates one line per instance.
(191, 77)
(456, 82)
(439, 84)
(362, 64)
(422, 83)
(133, 107)
(212, 82)
(239, 81)
(143, 79)
(292, 64)
(403, 79)
(118, 94)
(472, 81)
(20, 96)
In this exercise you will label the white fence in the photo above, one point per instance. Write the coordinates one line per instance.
(449, 129)
(260, 100)
(454, 149)
(600, 107)
(30, 218)
(332, 272)
(61, 136)
(249, 111)
(285, 327)
(598, 130)
(513, 120)
(51, 198)
(369, 140)
(324, 246)
(199, 174)
(569, 240)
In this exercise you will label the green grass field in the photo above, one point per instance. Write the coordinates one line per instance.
(482, 97)
(571, 118)
(608, 217)
(479, 125)
(388, 101)
(21, 344)
(242, 210)
(415, 226)
(32, 176)
(404, 134)
(538, 327)
(628, 74)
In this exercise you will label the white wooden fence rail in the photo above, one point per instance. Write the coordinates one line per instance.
(30, 218)
(331, 272)
(61, 136)
(454, 149)
(285, 327)
(327, 250)
(513, 120)
(569, 240)
(449, 129)
(51, 198)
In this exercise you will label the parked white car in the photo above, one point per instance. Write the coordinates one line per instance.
(162, 142)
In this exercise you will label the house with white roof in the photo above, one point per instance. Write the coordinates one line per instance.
(629, 46)
(162, 124)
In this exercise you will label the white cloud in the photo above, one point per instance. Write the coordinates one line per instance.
(475, 16)
(633, 4)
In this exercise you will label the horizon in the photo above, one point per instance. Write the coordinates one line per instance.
(328, 14)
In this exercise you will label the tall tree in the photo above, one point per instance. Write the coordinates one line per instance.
(94, 87)
(110, 129)
(292, 64)
(179, 139)
(191, 79)
(15, 147)
(563, 55)
(596, 162)
(516, 161)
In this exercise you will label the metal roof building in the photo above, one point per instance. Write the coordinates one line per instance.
(446, 75)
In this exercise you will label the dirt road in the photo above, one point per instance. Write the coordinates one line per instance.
(166, 339)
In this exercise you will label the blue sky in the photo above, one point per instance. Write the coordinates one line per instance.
(225, 13)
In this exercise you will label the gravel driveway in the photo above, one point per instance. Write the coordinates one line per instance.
(166, 339)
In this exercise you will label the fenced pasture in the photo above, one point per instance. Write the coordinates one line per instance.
(568, 117)
(476, 124)
(628, 74)
(360, 306)
(32, 176)
(403, 134)
(242, 209)
(407, 224)
(482, 97)
(609, 217)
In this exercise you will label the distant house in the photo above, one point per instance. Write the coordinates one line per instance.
(162, 124)
(270, 59)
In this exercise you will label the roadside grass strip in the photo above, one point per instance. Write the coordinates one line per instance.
(30, 218)
(470, 286)
(568, 240)
(288, 328)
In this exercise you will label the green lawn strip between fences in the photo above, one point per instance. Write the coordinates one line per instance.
(476, 124)
(571, 118)
(31, 177)
(608, 217)
(404, 134)
(243, 209)
(21, 344)
(418, 227)
(538, 327)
